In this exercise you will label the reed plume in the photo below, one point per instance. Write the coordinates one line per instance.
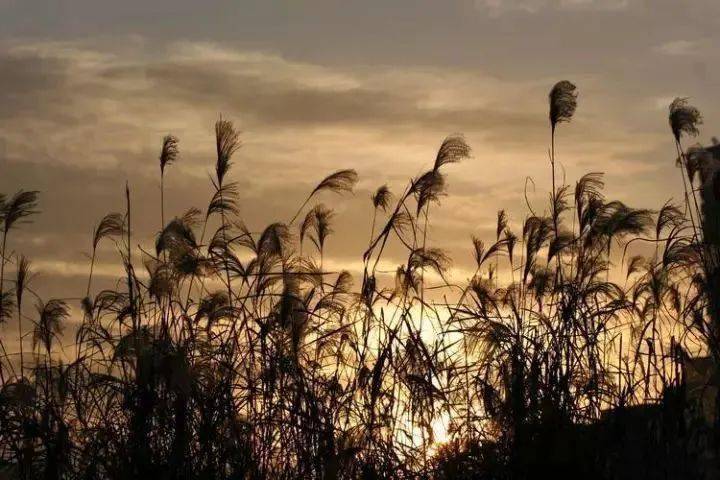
(168, 155)
(683, 119)
(22, 279)
(563, 102)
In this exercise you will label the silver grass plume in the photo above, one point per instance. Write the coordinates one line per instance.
(453, 149)
(317, 219)
(227, 142)
(429, 187)
(323, 217)
(381, 198)
(684, 118)
(502, 221)
(52, 315)
(169, 153)
(112, 225)
(563, 102)
(20, 206)
(340, 181)
(23, 277)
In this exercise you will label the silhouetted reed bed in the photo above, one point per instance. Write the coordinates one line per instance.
(225, 353)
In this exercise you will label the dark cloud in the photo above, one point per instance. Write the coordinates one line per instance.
(79, 119)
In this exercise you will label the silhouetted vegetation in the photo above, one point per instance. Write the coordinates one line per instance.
(225, 353)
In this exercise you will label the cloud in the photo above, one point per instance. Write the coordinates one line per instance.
(79, 120)
(81, 98)
(498, 7)
(599, 5)
(678, 48)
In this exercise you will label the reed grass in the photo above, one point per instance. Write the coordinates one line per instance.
(239, 355)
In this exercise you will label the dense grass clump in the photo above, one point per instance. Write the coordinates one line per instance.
(225, 353)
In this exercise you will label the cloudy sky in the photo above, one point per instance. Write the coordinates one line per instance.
(88, 88)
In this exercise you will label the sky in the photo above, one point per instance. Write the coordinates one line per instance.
(89, 88)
